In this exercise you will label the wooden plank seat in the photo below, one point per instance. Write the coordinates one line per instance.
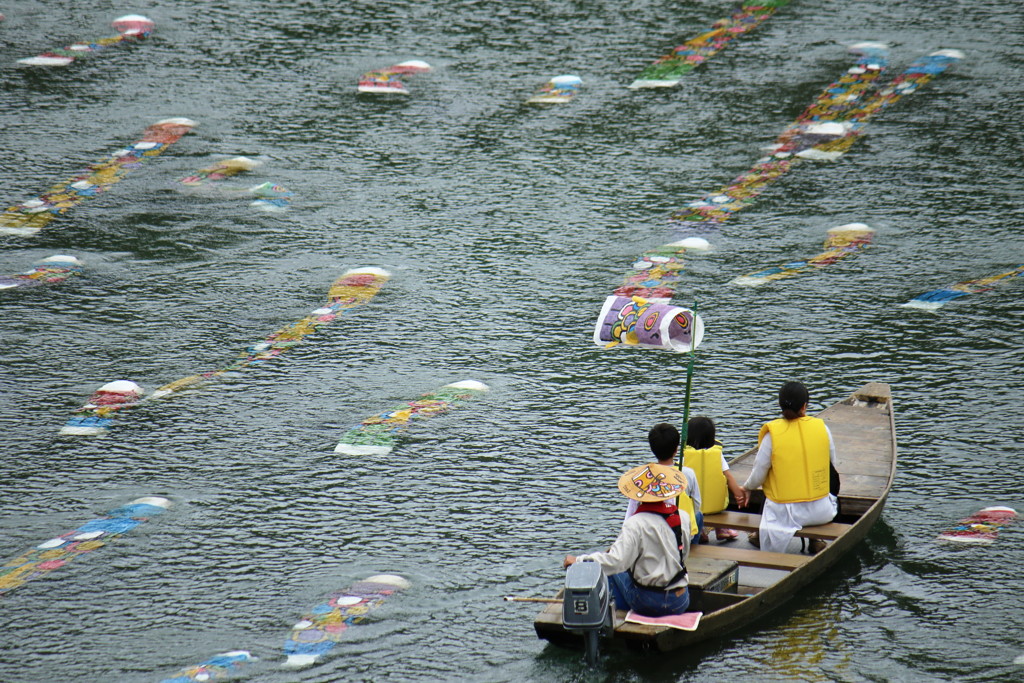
(751, 558)
(750, 522)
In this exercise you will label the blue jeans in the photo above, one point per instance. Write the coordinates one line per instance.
(651, 603)
(700, 526)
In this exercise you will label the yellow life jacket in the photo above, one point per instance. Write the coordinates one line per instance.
(800, 459)
(707, 463)
(686, 505)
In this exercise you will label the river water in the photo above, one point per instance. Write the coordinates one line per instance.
(504, 227)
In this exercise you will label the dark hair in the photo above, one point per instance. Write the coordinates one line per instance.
(700, 432)
(664, 440)
(792, 397)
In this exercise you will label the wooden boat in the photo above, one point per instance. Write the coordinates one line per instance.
(734, 585)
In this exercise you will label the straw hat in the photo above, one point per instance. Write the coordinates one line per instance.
(652, 483)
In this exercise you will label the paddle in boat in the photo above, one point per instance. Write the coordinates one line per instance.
(732, 586)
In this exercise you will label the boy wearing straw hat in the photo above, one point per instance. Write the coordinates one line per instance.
(646, 565)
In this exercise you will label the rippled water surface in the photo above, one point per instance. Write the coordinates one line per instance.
(504, 226)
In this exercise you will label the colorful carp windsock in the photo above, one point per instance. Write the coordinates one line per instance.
(131, 27)
(377, 434)
(216, 668)
(388, 79)
(325, 625)
(57, 552)
(841, 242)
(638, 322)
(558, 90)
(50, 270)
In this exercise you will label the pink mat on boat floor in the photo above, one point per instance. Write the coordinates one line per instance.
(686, 622)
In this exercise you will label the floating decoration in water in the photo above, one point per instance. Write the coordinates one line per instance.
(354, 288)
(637, 322)
(97, 416)
(31, 216)
(937, 298)
(51, 270)
(215, 668)
(558, 89)
(376, 435)
(388, 80)
(841, 242)
(269, 197)
(981, 527)
(656, 272)
(321, 629)
(669, 70)
(219, 171)
(131, 27)
(824, 131)
(59, 551)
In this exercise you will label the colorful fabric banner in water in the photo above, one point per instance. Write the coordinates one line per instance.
(219, 171)
(558, 90)
(353, 289)
(937, 298)
(217, 668)
(51, 270)
(131, 27)
(32, 216)
(97, 415)
(323, 628)
(982, 527)
(388, 80)
(824, 131)
(668, 70)
(840, 243)
(634, 321)
(657, 271)
(377, 434)
(59, 551)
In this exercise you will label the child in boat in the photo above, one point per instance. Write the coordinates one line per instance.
(664, 442)
(703, 454)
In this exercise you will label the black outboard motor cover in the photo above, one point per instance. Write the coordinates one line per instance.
(586, 601)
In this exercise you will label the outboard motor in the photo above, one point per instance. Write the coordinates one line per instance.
(587, 605)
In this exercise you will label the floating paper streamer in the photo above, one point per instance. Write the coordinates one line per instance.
(131, 27)
(325, 625)
(51, 270)
(216, 668)
(558, 89)
(981, 527)
(638, 322)
(59, 551)
(387, 80)
(668, 70)
(377, 434)
(271, 197)
(354, 288)
(31, 216)
(824, 131)
(97, 416)
(656, 273)
(840, 243)
(937, 298)
(219, 171)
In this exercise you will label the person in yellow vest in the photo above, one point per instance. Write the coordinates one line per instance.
(664, 442)
(703, 454)
(792, 466)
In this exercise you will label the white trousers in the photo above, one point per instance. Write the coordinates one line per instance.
(779, 521)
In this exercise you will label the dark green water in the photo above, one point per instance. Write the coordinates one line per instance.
(504, 226)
